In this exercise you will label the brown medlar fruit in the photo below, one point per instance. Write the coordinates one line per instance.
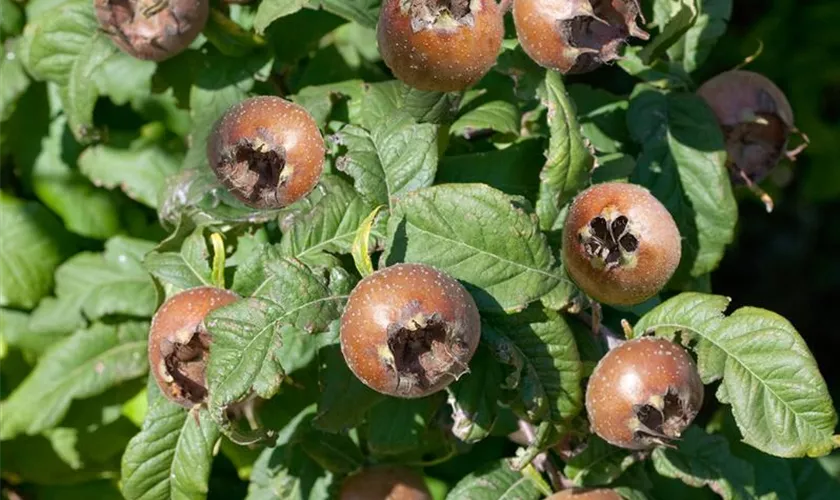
(267, 151)
(440, 45)
(152, 29)
(385, 482)
(575, 36)
(620, 244)
(643, 393)
(585, 494)
(179, 343)
(757, 121)
(409, 330)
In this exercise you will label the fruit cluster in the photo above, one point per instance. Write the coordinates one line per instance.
(410, 330)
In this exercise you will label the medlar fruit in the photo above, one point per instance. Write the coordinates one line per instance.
(620, 244)
(409, 330)
(575, 36)
(440, 45)
(757, 121)
(152, 29)
(179, 343)
(267, 151)
(642, 393)
(385, 482)
(584, 494)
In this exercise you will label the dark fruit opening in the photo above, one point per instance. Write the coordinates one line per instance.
(427, 13)
(599, 30)
(421, 352)
(660, 426)
(754, 148)
(185, 364)
(256, 170)
(609, 243)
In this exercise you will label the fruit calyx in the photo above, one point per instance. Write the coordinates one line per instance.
(610, 240)
(662, 419)
(422, 351)
(438, 14)
(257, 169)
(598, 28)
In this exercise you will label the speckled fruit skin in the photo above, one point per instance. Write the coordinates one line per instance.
(737, 97)
(547, 33)
(385, 482)
(659, 245)
(445, 57)
(178, 321)
(584, 494)
(406, 296)
(637, 373)
(276, 130)
(152, 29)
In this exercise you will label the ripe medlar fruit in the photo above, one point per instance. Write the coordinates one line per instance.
(267, 151)
(575, 36)
(620, 244)
(440, 45)
(642, 393)
(756, 119)
(584, 494)
(385, 482)
(409, 330)
(179, 343)
(152, 29)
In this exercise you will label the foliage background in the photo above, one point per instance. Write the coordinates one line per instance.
(786, 262)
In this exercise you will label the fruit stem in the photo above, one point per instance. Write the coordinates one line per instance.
(611, 338)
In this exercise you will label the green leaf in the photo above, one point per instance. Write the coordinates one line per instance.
(498, 116)
(779, 398)
(247, 335)
(494, 481)
(329, 226)
(344, 400)
(514, 170)
(542, 342)
(681, 17)
(334, 452)
(364, 12)
(602, 116)
(683, 164)
(288, 473)
(319, 100)
(32, 244)
(598, 464)
(396, 157)
(382, 100)
(12, 74)
(172, 454)
(84, 208)
(474, 397)
(84, 365)
(271, 10)
(186, 269)
(13, 19)
(53, 40)
(140, 171)
(97, 285)
(15, 332)
(397, 426)
(480, 236)
(568, 161)
(695, 46)
(705, 460)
